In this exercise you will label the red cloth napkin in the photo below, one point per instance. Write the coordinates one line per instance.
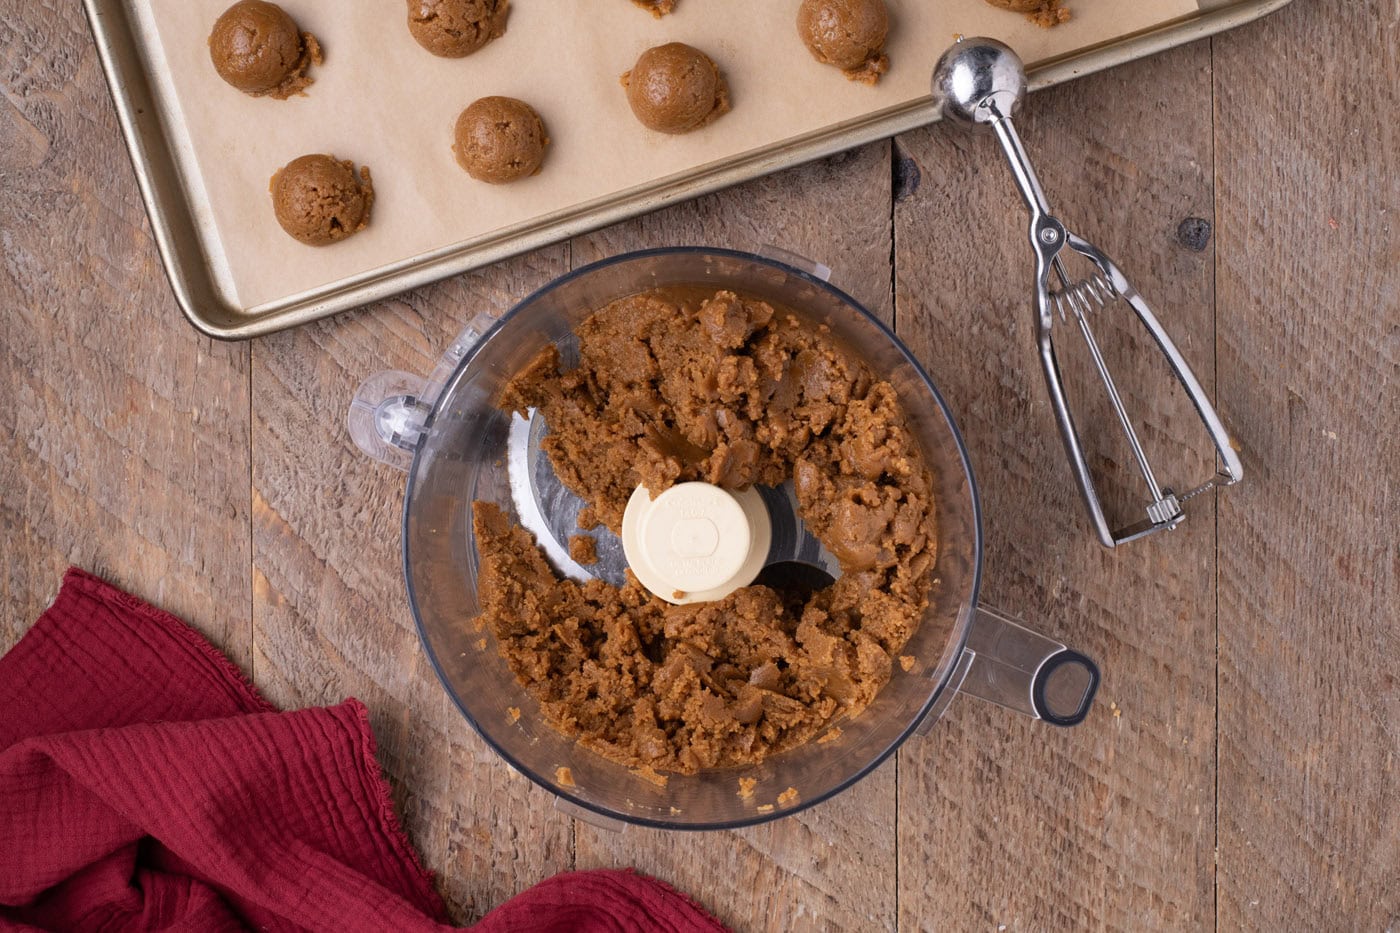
(145, 784)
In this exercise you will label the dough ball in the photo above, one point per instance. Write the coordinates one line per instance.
(674, 88)
(320, 199)
(849, 34)
(1041, 12)
(658, 8)
(258, 48)
(500, 139)
(454, 28)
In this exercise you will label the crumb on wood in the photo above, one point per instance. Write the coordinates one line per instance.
(564, 777)
(906, 661)
(675, 811)
(831, 735)
(513, 713)
(481, 644)
(746, 786)
(765, 808)
(583, 549)
(787, 796)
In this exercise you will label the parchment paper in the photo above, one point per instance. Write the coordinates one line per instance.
(381, 100)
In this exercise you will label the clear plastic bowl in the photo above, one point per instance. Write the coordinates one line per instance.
(457, 439)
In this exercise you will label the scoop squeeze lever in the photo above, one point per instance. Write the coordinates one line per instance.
(695, 542)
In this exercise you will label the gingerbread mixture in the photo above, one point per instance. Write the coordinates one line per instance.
(320, 199)
(256, 47)
(1044, 13)
(657, 8)
(676, 88)
(849, 34)
(499, 140)
(670, 387)
(583, 549)
(456, 28)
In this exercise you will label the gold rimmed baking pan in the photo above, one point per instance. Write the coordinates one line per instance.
(203, 153)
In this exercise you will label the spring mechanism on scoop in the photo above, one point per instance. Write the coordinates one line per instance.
(1079, 298)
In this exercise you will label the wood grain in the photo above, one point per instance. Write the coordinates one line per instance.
(831, 867)
(1309, 343)
(331, 614)
(1240, 769)
(1005, 823)
(123, 433)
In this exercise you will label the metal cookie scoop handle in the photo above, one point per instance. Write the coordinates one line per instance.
(980, 82)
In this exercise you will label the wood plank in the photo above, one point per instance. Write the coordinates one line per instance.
(1005, 823)
(1308, 174)
(123, 433)
(830, 867)
(126, 451)
(331, 614)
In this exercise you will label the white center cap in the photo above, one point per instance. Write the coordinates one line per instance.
(694, 537)
(695, 542)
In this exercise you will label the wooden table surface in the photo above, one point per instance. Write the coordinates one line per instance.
(1240, 768)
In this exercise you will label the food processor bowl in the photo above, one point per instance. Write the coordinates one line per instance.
(455, 443)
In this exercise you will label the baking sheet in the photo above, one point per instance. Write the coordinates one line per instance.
(381, 100)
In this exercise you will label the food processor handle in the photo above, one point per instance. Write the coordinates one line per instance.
(1012, 666)
(389, 409)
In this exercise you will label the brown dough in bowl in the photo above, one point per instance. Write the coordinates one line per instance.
(685, 384)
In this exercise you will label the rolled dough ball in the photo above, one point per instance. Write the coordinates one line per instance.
(500, 139)
(258, 48)
(674, 88)
(456, 28)
(849, 34)
(320, 199)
